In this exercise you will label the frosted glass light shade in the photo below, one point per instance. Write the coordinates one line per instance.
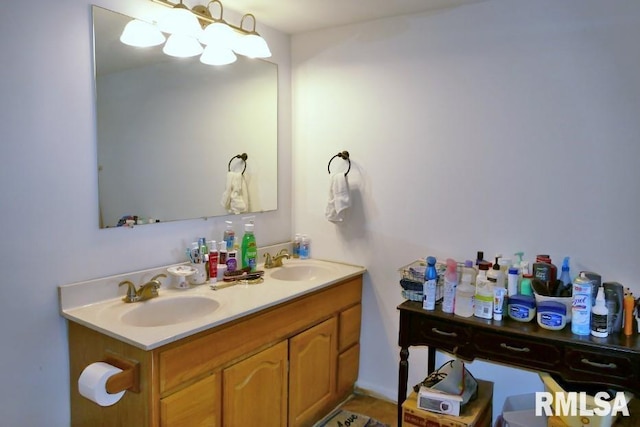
(217, 55)
(218, 33)
(182, 46)
(252, 46)
(180, 21)
(141, 34)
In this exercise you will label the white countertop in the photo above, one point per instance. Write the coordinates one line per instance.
(98, 304)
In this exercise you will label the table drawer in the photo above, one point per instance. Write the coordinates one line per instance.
(444, 335)
(517, 351)
(598, 365)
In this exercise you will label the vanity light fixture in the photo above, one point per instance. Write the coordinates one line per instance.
(186, 35)
(139, 33)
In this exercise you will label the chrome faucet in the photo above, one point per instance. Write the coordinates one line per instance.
(276, 260)
(146, 291)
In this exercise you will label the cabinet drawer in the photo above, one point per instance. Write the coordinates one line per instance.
(349, 327)
(517, 351)
(441, 334)
(196, 405)
(593, 364)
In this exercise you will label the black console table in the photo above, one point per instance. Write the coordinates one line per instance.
(612, 361)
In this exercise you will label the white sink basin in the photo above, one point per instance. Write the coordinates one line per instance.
(169, 311)
(301, 272)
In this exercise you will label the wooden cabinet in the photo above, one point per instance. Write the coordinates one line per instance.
(288, 365)
(195, 406)
(312, 376)
(255, 389)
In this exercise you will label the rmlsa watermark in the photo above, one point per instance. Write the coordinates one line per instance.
(572, 404)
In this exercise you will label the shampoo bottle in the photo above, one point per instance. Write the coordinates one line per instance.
(249, 247)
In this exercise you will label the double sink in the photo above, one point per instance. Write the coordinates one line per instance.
(179, 308)
(177, 313)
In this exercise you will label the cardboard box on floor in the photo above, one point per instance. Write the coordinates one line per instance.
(478, 413)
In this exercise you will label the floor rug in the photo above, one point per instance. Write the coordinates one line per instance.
(343, 418)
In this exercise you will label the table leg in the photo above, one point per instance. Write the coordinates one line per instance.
(403, 377)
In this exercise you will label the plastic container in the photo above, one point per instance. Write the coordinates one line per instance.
(450, 285)
(464, 304)
(519, 411)
(297, 241)
(551, 315)
(305, 247)
(470, 270)
(566, 301)
(483, 303)
(249, 248)
(522, 308)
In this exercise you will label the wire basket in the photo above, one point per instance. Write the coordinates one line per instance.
(412, 280)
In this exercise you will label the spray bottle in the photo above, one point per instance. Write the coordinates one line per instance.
(430, 283)
(450, 285)
(564, 287)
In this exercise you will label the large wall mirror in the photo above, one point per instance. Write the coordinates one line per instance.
(169, 130)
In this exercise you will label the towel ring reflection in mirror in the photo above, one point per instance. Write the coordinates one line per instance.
(343, 155)
(242, 157)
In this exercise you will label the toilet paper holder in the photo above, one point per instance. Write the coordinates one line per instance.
(128, 379)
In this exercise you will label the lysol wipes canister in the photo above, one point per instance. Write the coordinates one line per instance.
(581, 305)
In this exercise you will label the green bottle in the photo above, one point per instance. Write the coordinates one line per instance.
(249, 248)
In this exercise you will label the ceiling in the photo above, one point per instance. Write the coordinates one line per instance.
(298, 16)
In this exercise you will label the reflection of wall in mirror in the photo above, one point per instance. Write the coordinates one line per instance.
(145, 172)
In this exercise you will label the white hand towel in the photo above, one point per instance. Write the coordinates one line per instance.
(339, 197)
(235, 198)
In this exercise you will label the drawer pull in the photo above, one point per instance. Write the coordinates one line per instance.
(599, 365)
(448, 334)
(518, 349)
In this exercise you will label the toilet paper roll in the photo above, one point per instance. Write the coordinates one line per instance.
(92, 383)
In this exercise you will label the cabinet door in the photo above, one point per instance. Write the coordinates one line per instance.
(197, 405)
(255, 390)
(348, 363)
(312, 375)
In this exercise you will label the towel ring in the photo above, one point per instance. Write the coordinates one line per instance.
(342, 155)
(242, 157)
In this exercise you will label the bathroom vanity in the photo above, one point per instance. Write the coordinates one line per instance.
(283, 353)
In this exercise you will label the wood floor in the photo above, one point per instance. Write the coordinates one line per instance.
(382, 410)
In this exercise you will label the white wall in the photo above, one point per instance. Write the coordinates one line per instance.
(48, 184)
(500, 126)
